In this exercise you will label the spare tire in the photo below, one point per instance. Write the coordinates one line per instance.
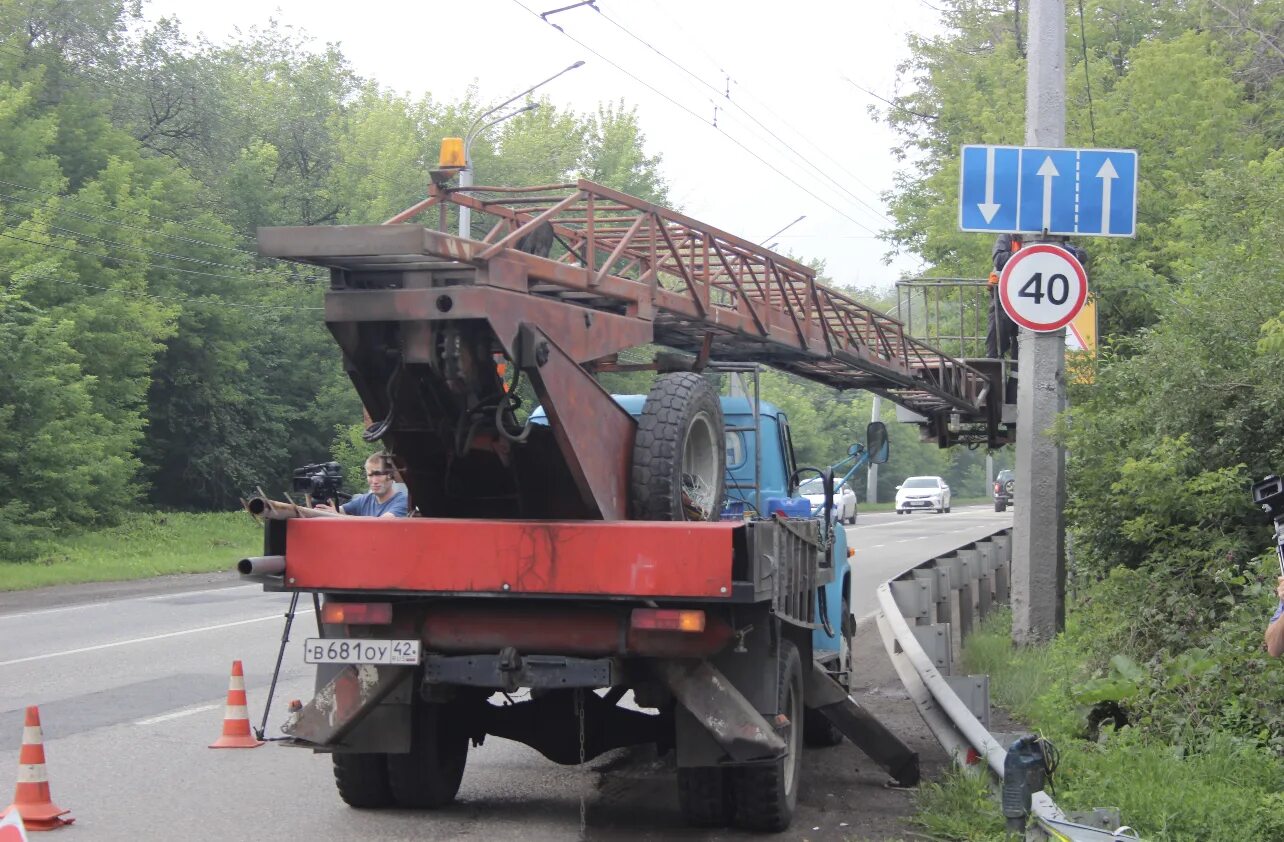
(679, 455)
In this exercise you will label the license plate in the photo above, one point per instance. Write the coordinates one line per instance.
(340, 650)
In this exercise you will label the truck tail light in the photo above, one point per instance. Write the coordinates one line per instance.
(357, 613)
(665, 619)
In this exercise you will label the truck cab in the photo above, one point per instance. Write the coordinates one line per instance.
(758, 474)
(757, 483)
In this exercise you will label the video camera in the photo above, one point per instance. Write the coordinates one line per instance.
(321, 482)
(1269, 495)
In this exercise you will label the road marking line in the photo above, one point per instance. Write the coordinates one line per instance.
(177, 714)
(107, 601)
(148, 639)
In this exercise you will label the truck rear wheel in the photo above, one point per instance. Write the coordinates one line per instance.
(362, 780)
(679, 454)
(767, 794)
(704, 794)
(428, 775)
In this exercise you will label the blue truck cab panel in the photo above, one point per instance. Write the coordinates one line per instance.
(774, 465)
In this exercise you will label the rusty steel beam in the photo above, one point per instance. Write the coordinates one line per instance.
(594, 433)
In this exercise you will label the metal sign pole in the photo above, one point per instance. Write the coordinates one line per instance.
(1038, 545)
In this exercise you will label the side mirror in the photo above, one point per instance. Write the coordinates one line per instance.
(876, 442)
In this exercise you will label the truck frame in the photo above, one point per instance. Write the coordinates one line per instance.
(580, 552)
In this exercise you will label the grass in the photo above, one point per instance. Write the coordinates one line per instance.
(144, 545)
(1223, 788)
(960, 806)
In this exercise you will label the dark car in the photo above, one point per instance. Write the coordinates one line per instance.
(1003, 485)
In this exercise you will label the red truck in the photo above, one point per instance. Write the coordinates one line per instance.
(598, 552)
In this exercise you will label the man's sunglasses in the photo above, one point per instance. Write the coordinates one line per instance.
(370, 474)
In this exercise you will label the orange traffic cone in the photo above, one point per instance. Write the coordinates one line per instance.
(236, 716)
(31, 795)
(11, 829)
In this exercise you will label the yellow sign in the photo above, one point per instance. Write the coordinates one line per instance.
(1081, 343)
(1081, 333)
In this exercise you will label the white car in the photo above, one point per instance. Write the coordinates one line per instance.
(844, 500)
(922, 493)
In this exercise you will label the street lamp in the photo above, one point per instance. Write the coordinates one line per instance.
(480, 125)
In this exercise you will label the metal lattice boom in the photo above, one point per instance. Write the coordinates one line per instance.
(706, 291)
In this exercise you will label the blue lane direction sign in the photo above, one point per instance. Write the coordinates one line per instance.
(1064, 191)
(1108, 192)
(1048, 189)
(990, 173)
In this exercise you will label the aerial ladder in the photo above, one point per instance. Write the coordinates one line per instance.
(637, 273)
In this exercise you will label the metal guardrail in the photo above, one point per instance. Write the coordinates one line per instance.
(921, 612)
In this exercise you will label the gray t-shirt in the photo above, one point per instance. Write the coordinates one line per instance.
(368, 505)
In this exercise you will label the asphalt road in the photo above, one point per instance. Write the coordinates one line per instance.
(130, 681)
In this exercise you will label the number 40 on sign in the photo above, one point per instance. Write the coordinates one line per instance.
(1043, 287)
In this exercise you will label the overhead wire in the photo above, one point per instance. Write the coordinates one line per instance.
(76, 197)
(88, 217)
(858, 87)
(143, 263)
(726, 95)
(10, 214)
(897, 106)
(1087, 77)
(211, 300)
(80, 198)
(674, 20)
(688, 111)
(790, 123)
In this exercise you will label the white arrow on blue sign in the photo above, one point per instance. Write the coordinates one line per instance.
(1061, 191)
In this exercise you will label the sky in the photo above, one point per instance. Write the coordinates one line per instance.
(793, 136)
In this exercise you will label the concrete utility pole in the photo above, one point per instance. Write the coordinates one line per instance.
(1038, 545)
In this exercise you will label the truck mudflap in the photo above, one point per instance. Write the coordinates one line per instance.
(742, 732)
(827, 697)
(343, 702)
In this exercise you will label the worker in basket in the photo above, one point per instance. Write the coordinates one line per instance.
(1001, 337)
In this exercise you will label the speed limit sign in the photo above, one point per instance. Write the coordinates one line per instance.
(1043, 287)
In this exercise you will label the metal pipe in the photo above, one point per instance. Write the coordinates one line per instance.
(275, 510)
(261, 565)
